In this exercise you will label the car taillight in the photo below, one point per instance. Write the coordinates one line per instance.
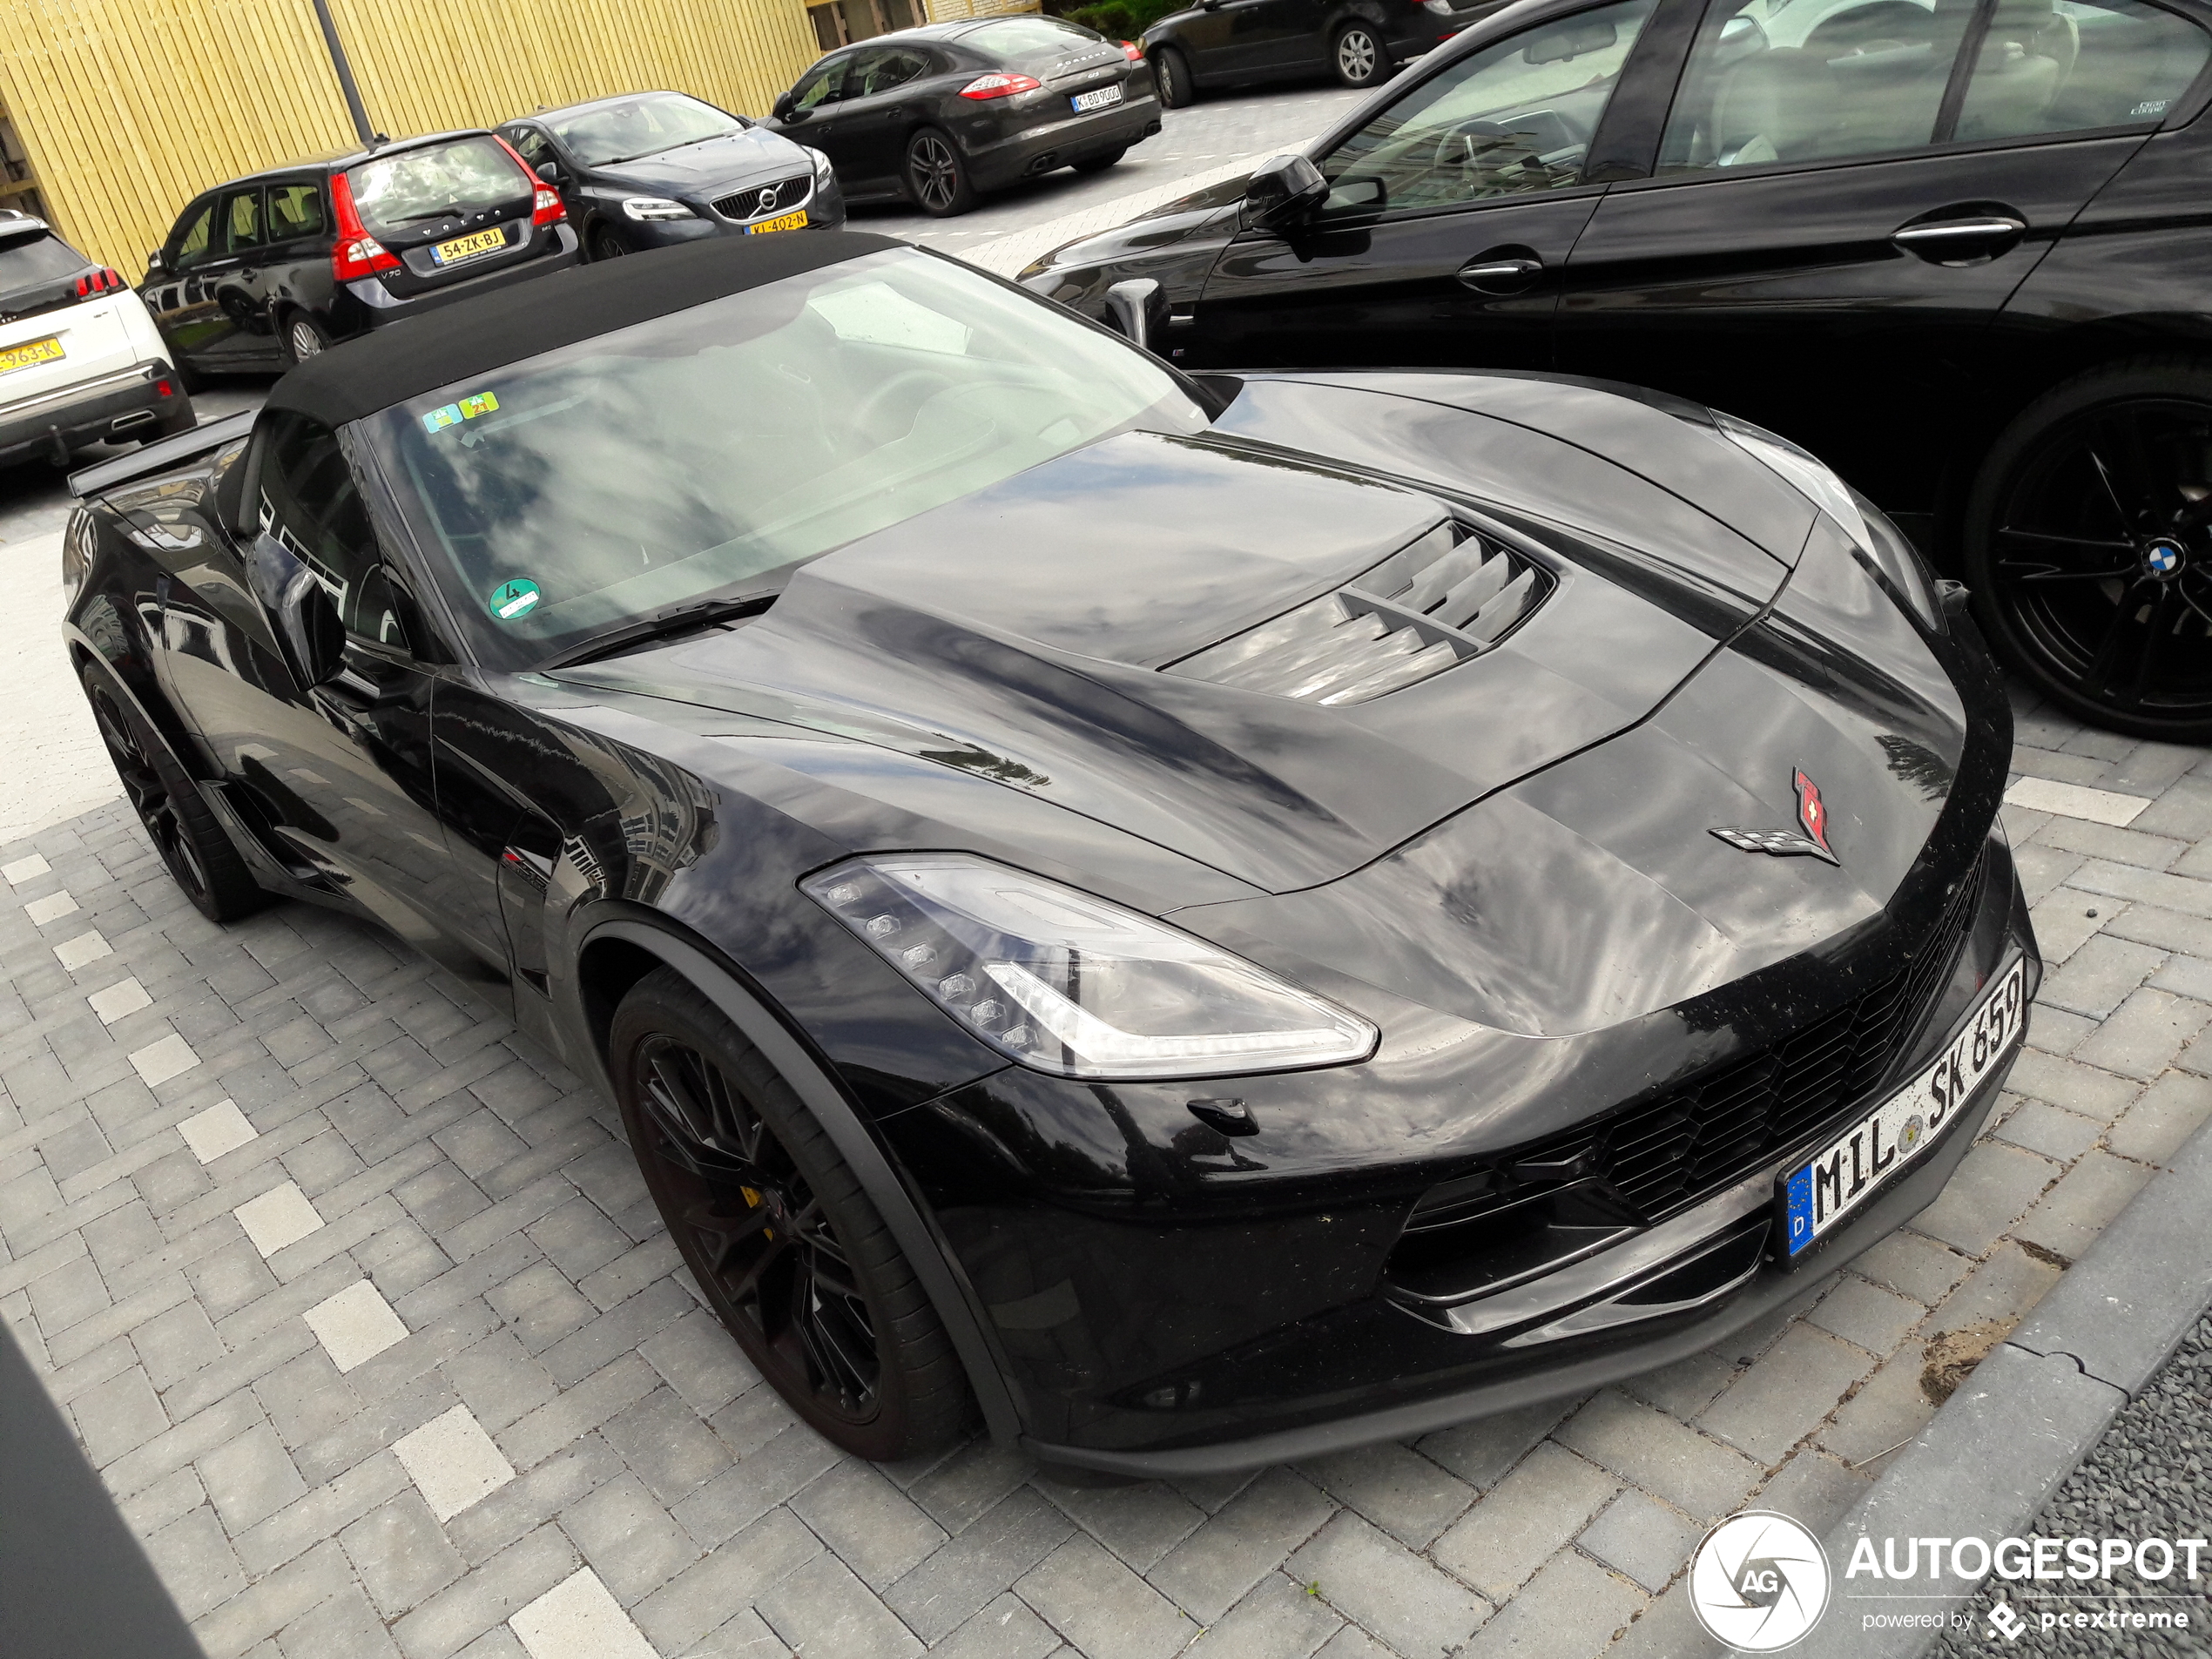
(1134, 52)
(986, 86)
(546, 206)
(106, 280)
(164, 388)
(356, 253)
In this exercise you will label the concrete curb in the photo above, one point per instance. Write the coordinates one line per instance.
(1990, 1460)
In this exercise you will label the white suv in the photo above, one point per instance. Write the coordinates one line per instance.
(80, 359)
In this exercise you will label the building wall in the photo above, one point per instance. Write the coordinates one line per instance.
(127, 108)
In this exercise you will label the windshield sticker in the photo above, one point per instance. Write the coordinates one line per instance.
(453, 413)
(513, 599)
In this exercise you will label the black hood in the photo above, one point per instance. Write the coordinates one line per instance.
(714, 166)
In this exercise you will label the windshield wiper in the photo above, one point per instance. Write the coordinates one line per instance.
(663, 624)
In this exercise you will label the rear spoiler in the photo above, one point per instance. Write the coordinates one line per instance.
(160, 456)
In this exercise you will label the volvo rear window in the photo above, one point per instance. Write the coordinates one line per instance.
(26, 261)
(397, 193)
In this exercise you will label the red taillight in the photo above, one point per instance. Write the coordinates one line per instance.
(1134, 52)
(106, 280)
(163, 388)
(356, 254)
(546, 206)
(985, 86)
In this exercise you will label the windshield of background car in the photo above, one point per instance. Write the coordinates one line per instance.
(641, 126)
(1518, 116)
(708, 451)
(397, 193)
(26, 261)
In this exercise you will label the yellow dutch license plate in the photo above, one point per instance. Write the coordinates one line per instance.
(48, 350)
(468, 247)
(784, 222)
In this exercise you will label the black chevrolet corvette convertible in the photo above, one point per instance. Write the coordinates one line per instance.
(1203, 918)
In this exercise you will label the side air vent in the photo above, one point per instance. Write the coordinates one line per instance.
(1451, 596)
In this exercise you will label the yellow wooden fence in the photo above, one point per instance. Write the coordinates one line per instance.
(128, 108)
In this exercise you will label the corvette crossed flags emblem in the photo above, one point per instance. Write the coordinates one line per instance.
(1813, 817)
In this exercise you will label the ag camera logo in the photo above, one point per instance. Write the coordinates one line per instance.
(1758, 1583)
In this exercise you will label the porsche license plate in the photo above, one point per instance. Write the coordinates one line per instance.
(1105, 98)
(782, 222)
(470, 247)
(31, 352)
(1817, 1195)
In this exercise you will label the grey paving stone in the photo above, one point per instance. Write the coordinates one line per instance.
(489, 1595)
(746, 1637)
(978, 1563)
(2099, 976)
(195, 1562)
(2099, 1095)
(754, 1483)
(305, 1397)
(322, 1513)
(249, 1477)
(538, 1434)
(1395, 1596)
(2049, 1131)
(1139, 1524)
(1524, 1519)
(1993, 1186)
(2001, 1289)
(72, 1292)
(498, 1380)
(120, 1415)
(402, 1555)
(1888, 1407)
(617, 1333)
(174, 1494)
(1913, 1264)
(1573, 1609)
(1253, 1534)
(627, 1535)
(1778, 1403)
(1698, 1474)
(267, 1606)
(2151, 1131)
(967, 1484)
(1867, 1314)
(1408, 1496)
(708, 1593)
(701, 1361)
(1004, 1628)
(2142, 1037)
(876, 1530)
(489, 1525)
(1641, 1538)
(345, 1627)
(2071, 1215)
(1816, 1488)
(662, 1438)
(822, 1608)
(1101, 1608)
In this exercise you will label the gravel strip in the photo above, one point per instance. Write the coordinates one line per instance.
(2146, 1478)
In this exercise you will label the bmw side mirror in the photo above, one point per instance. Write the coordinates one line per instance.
(307, 623)
(781, 108)
(1281, 190)
(1139, 308)
(156, 264)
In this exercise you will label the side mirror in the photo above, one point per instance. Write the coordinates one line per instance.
(156, 264)
(781, 108)
(550, 171)
(1138, 308)
(307, 623)
(1281, 190)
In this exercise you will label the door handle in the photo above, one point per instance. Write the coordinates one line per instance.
(1943, 240)
(1500, 276)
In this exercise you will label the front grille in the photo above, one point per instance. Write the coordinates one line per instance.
(1450, 596)
(759, 201)
(1664, 1156)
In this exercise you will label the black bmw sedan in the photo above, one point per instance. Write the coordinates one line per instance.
(936, 116)
(1208, 917)
(649, 170)
(1957, 252)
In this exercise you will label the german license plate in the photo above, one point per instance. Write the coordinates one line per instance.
(470, 247)
(32, 352)
(782, 222)
(1100, 99)
(1817, 1195)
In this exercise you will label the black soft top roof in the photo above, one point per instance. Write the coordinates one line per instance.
(470, 338)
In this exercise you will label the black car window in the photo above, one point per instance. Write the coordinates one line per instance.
(400, 192)
(241, 217)
(886, 68)
(295, 211)
(824, 84)
(2074, 65)
(1812, 80)
(194, 237)
(607, 134)
(26, 261)
(306, 497)
(529, 143)
(1516, 117)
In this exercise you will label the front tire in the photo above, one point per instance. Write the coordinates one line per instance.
(2088, 547)
(1171, 75)
(794, 1260)
(199, 856)
(603, 244)
(937, 175)
(1358, 55)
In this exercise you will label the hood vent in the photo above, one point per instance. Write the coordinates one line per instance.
(1450, 596)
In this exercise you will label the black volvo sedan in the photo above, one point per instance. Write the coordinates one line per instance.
(649, 170)
(1957, 253)
(1210, 917)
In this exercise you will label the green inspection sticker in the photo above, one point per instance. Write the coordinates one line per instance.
(511, 601)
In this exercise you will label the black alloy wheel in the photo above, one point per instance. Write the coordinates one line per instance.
(199, 855)
(303, 337)
(937, 175)
(2090, 547)
(1171, 76)
(796, 1261)
(1357, 57)
(605, 244)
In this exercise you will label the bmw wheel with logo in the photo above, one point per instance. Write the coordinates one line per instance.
(2090, 547)
(1201, 921)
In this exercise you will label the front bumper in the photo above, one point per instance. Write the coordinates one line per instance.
(1068, 139)
(824, 208)
(1193, 1333)
(127, 404)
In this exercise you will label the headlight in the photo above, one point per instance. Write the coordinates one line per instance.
(823, 171)
(654, 207)
(1068, 983)
(1888, 551)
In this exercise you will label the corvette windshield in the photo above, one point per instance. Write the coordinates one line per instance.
(707, 452)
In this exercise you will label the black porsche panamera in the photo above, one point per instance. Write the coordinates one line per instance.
(1207, 918)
